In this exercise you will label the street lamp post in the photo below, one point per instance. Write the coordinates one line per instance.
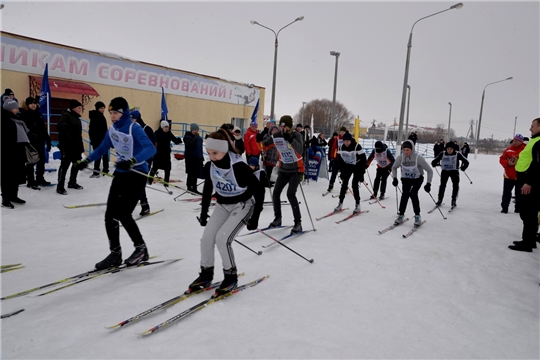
(406, 79)
(480, 118)
(449, 119)
(302, 117)
(515, 123)
(333, 120)
(253, 22)
(408, 105)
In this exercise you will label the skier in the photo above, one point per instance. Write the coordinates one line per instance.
(352, 161)
(132, 148)
(259, 173)
(290, 169)
(239, 196)
(449, 161)
(412, 167)
(384, 158)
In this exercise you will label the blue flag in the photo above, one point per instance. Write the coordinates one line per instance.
(255, 112)
(45, 94)
(164, 109)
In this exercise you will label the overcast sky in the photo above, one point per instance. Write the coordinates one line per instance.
(454, 54)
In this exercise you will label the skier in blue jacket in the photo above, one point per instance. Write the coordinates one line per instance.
(132, 148)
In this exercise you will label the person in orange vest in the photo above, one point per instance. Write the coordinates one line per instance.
(508, 160)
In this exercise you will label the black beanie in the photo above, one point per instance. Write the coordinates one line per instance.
(347, 136)
(119, 104)
(407, 145)
(30, 100)
(335, 134)
(379, 145)
(74, 103)
(286, 120)
(99, 105)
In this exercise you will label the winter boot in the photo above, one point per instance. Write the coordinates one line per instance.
(417, 220)
(356, 208)
(18, 200)
(297, 228)
(95, 175)
(399, 220)
(139, 255)
(74, 185)
(382, 197)
(229, 283)
(439, 202)
(43, 182)
(7, 204)
(61, 190)
(276, 222)
(203, 281)
(338, 207)
(33, 185)
(113, 259)
(145, 209)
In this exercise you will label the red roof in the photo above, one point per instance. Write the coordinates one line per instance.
(73, 87)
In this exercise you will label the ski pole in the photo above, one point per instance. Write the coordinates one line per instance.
(397, 206)
(397, 187)
(250, 249)
(377, 200)
(163, 182)
(467, 176)
(369, 177)
(307, 206)
(280, 243)
(437, 170)
(112, 176)
(444, 217)
(202, 182)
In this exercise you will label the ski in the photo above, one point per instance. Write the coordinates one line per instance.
(147, 215)
(326, 193)
(10, 265)
(164, 305)
(11, 269)
(83, 206)
(202, 305)
(265, 229)
(284, 238)
(332, 213)
(392, 226)
(416, 227)
(12, 313)
(108, 272)
(351, 216)
(196, 199)
(435, 208)
(375, 201)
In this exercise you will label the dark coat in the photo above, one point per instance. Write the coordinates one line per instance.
(70, 134)
(12, 154)
(357, 169)
(162, 159)
(193, 153)
(38, 135)
(97, 128)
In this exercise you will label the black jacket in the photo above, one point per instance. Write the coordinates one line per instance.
(70, 133)
(97, 128)
(38, 135)
(357, 169)
(162, 159)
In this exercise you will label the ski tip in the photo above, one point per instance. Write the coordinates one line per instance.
(114, 327)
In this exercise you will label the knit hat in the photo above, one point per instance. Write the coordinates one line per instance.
(164, 123)
(253, 161)
(286, 120)
(74, 103)
(450, 144)
(407, 144)
(99, 105)
(300, 126)
(10, 104)
(193, 127)
(30, 100)
(335, 134)
(119, 104)
(379, 145)
(237, 129)
(347, 136)
(135, 114)
(343, 128)
(273, 121)
(253, 123)
(519, 137)
(9, 92)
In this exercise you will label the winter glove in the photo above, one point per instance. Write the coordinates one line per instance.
(433, 163)
(395, 182)
(427, 187)
(126, 164)
(81, 164)
(203, 219)
(253, 223)
(288, 136)
(463, 167)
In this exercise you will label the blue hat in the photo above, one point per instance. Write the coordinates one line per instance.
(253, 161)
(519, 137)
(253, 123)
(136, 114)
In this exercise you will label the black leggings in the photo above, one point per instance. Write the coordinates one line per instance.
(410, 190)
(380, 178)
(284, 178)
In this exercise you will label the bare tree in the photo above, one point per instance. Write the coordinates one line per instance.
(321, 109)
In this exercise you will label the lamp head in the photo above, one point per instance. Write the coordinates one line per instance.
(510, 78)
(449, 103)
(334, 53)
(253, 22)
(457, 6)
(299, 18)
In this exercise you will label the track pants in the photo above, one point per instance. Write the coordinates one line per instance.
(410, 190)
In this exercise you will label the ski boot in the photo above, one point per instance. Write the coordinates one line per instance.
(297, 228)
(61, 190)
(356, 208)
(417, 220)
(229, 283)
(338, 207)
(399, 219)
(204, 280)
(454, 203)
(139, 255)
(439, 202)
(276, 222)
(145, 209)
(382, 197)
(112, 260)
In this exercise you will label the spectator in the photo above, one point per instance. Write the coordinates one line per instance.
(193, 155)
(465, 149)
(238, 142)
(8, 94)
(413, 137)
(70, 144)
(251, 143)
(162, 158)
(508, 160)
(270, 153)
(96, 131)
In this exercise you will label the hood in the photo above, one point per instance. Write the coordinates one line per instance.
(125, 119)
(411, 143)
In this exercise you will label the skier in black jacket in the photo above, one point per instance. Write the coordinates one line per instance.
(96, 131)
(451, 161)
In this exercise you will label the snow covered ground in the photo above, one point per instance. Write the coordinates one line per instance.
(451, 290)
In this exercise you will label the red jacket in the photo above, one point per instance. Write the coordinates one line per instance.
(251, 144)
(333, 147)
(509, 153)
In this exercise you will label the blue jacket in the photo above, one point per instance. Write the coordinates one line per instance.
(143, 148)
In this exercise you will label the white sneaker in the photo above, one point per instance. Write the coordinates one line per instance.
(357, 208)
(338, 207)
(399, 220)
(417, 220)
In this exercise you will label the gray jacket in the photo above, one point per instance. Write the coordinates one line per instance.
(298, 145)
(411, 160)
